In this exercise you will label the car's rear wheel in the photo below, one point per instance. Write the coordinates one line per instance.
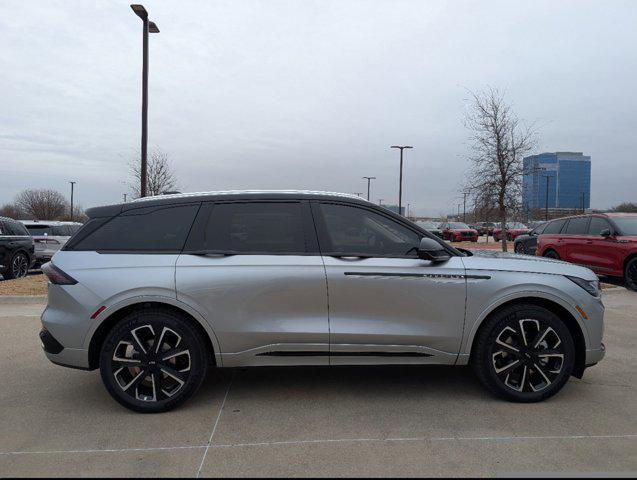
(630, 275)
(18, 267)
(524, 353)
(153, 360)
(551, 254)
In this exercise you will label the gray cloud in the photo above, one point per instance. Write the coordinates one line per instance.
(288, 94)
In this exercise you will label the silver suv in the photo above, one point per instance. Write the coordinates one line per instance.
(156, 292)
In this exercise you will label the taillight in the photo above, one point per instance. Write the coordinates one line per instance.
(50, 241)
(57, 276)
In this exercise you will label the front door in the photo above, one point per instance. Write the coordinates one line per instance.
(385, 304)
(254, 271)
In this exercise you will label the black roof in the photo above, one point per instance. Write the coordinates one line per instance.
(185, 198)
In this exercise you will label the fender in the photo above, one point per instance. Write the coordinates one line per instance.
(467, 341)
(114, 308)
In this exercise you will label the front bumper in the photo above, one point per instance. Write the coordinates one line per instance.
(595, 356)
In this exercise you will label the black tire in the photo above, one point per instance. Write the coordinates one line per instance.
(519, 248)
(531, 374)
(630, 274)
(131, 368)
(18, 266)
(551, 254)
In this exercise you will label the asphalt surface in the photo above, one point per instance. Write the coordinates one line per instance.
(342, 421)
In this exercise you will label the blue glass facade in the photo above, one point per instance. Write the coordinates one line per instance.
(569, 181)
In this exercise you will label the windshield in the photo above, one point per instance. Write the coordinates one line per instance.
(627, 225)
(458, 225)
(515, 225)
(428, 225)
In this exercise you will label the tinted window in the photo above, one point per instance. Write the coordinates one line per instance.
(597, 225)
(626, 225)
(258, 227)
(159, 229)
(554, 227)
(60, 231)
(352, 230)
(539, 229)
(577, 226)
(36, 230)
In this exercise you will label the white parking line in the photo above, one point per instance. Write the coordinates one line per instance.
(327, 441)
(214, 428)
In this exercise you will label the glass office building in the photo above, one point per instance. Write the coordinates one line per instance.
(567, 175)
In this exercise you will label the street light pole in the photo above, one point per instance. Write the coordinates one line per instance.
(464, 208)
(147, 26)
(400, 182)
(369, 179)
(72, 185)
(546, 200)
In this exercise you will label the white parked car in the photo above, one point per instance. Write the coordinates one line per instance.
(49, 236)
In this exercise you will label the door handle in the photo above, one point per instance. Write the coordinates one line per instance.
(350, 257)
(589, 242)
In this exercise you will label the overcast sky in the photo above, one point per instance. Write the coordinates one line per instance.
(302, 94)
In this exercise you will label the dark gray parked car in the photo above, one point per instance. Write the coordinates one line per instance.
(527, 243)
(16, 249)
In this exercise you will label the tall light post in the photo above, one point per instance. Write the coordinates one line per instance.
(369, 179)
(400, 184)
(72, 185)
(151, 27)
(546, 200)
(464, 208)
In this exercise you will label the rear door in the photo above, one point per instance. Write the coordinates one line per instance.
(551, 238)
(385, 304)
(253, 269)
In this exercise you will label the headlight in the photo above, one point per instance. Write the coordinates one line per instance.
(591, 286)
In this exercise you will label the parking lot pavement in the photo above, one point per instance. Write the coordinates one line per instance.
(370, 421)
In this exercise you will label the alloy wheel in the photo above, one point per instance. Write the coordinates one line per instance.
(527, 355)
(151, 364)
(19, 266)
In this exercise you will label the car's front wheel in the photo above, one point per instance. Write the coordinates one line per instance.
(519, 248)
(153, 360)
(18, 266)
(523, 353)
(630, 275)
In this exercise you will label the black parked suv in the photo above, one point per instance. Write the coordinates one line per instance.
(16, 249)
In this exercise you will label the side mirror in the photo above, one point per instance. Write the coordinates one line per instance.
(433, 251)
(605, 233)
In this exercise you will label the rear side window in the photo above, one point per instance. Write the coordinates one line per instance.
(250, 228)
(597, 225)
(577, 226)
(539, 229)
(152, 229)
(554, 227)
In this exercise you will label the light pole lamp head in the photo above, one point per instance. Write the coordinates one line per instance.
(401, 146)
(152, 27)
(140, 11)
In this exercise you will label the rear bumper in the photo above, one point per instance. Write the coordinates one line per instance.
(66, 357)
(594, 356)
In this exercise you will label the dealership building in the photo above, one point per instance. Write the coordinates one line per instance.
(566, 175)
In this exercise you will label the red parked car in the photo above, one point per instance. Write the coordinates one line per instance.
(513, 229)
(606, 243)
(458, 232)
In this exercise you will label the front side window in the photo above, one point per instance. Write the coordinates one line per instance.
(250, 228)
(358, 231)
(598, 225)
(627, 225)
(150, 229)
(577, 226)
(554, 227)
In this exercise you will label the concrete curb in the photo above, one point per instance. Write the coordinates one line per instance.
(14, 299)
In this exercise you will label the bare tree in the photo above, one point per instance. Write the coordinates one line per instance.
(499, 142)
(78, 215)
(10, 210)
(625, 207)
(160, 175)
(42, 204)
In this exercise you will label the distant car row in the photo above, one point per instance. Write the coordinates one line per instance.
(26, 244)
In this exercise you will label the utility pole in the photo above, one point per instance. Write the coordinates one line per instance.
(124, 198)
(458, 212)
(400, 182)
(408, 210)
(147, 26)
(72, 185)
(369, 179)
(464, 208)
(380, 201)
(546, 200)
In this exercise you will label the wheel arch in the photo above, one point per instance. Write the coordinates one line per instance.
(628, 258)
(575, 328)
(118, 312)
